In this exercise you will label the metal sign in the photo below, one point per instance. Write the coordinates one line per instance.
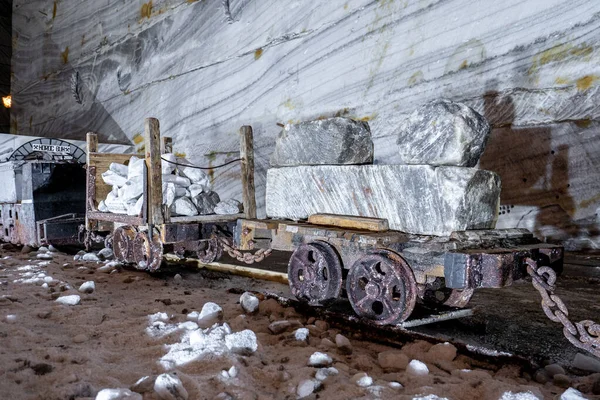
(51, 148)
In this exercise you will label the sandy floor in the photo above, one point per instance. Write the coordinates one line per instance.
(55, 351)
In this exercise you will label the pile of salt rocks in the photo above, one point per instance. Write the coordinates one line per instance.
(186, 190)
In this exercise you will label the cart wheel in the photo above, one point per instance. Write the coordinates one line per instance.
(315, 273)
(381, 287)
(123, 243)
(212, 252)
(436, 294)
(147, 253)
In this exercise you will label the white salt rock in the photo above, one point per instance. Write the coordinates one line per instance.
(249, 302)
(90, 257)
(188, 325)
(79, 254)
(134, 207)
(70, 300)
(211, 311)
(45, 256)
(243, 342)
(42, 249)
(135, 168)
(572, 394)
(168, 192)
(301, 334)
(48, 279)
(102, 207)
(180, 191)
(117, 394)
(111, 178)
(318, 359)
(132, 189)
(195, 175)
(362, 379)
(518, 396)
(87, 287)
(169, 387)
(195, 189)
(233, 371)
(120, 169)
(417, 368)
(177, 180)
(324, 373)
(228, 207)
(193, 316)
(305, 388)
(114, 204)
(184, 206)
(106, 253)
(11, 318)
(166, 163)
(45, 286)
(395, 385)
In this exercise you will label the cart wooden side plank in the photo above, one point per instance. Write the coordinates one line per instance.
(350, 221)
(207, 218)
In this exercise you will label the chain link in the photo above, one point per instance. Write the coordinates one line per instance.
(584, 334)
(247, 258)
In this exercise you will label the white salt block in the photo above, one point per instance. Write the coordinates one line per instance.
(112, 178)
(417, 368)
(135, 168)
(119, 169)
(70, 300)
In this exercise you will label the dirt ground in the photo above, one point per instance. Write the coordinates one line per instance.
(50, 350)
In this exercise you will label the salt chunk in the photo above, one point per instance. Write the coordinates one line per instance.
(233, 371)
(572, 394)
(43, 249)
(243, 342)
(305, 388)
(184, 206)
(195, 175)
(134, 207)
(169, 387)
(417, 368)
(210, 310)
(11, 318)
(87, 287)
(249, 302)
(90, 257)
(324, 373)
(132, 189)
(362, 379)
(318, 359)
(48, 279)
(166, 164)
(45, 256)
(120, 169)
(117, 394)
(228, 207)
(195, 189)
(193, 316)
(113, 179)
(395, 385)
(168, 192)
(102, 207)
(188, 325)
(518, 396)
(136, 167)
(301, 334)
(70, 300)
(177, 180)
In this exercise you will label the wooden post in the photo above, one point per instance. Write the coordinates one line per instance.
(166, 145)
(247, 156)
(90, 189)
(154, 182)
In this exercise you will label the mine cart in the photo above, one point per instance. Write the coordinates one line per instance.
(142, 239)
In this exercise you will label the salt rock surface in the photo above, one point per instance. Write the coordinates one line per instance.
(443, 132)
(362, 379)
(417, 368)
(113, 179)
(249, 302)
(329, 141)
(119, 169)
(519, 396)
(134, 206)
(132, 189)
(195, 175)
(70, 300)
(87, 287)
(324, 373)
(210, 311)
(318, 359)
(417, 199)
(135, 167)
(206, 202)
(305, 388)
(177, 180)
(243, 343)
(301, 334)
(228, 207)
(117, 394)
(169, 387)
(572, 394)
(90, 257)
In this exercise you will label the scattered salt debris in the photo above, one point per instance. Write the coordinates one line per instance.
(193, 316)
(230, 373)
(169, 387)
(249, 302)
(395, 385)
(318, 359)
(45, 256)
(305, 388)
(43, 249)
(44, 263)
(45, 285)
(572, 394)
(188, 325)
(324, 373)
(87, 287)
(117, 394)
(417, 368)
(51, 248)
(70, 300)
(48, 279)
(11, 318)
(210, 311)
(301, 334)
(243, 342)
(518, 396)
(429, 397)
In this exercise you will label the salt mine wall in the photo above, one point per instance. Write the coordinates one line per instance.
(204, 68)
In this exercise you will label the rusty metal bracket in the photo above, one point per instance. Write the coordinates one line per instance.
(584, 334)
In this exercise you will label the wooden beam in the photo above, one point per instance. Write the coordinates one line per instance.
(90, 181)
(208, 218)
(153, 165)
(247, 156)
(351, 222)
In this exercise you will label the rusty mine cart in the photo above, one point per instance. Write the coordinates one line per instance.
(382, 272)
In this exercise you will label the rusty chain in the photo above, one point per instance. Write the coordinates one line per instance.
(247, 258)
(585, 334)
